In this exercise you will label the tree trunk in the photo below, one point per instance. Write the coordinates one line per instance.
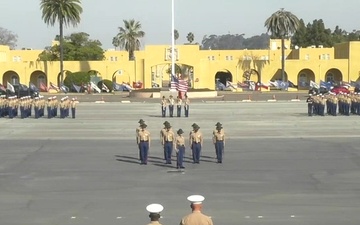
(61, 52)
(283, 58)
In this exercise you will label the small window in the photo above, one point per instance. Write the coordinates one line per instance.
(329, 77)
(14, 79)
(307, 57)
(16, 59)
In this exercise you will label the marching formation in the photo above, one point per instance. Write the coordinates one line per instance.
(171, 103)
(332, 104)
(13, 107)
(171, 142)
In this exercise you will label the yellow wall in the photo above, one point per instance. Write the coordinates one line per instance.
(315, 62)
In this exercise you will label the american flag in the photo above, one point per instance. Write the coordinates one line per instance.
(179, 85)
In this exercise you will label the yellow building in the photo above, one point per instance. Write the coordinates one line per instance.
(201, 67)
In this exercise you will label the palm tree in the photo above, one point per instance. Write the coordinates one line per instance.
(190, 37)
(129, 37)
(176, 35)
(66, 13)
(282, 24)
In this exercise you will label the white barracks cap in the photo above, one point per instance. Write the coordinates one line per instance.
(154, 208)
(196, 199)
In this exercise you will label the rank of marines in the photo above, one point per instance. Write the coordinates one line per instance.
(332, 104)
(26, 107)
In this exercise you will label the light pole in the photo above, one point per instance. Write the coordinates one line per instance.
(172, 38)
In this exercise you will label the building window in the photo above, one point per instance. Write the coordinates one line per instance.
(264, 57)
(14, 79)
(229, 57)
(17, 59)
(307, 57)
(211, 58)
(329, 77)
(246, 57)
(325, 56)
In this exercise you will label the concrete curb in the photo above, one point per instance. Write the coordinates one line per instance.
(99, 102)
(125, 102)
(295, 100)
(271, 100)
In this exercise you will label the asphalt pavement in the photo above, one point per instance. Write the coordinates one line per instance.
(223, 96)
(281, 167)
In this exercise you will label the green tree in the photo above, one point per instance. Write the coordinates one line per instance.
(129, 36)
(300, 36)
(190, 37)
(77, 78)
(8, 38)
(317, 34)
(66, 13)
(282, 24)
(76, 47)
(176, 35)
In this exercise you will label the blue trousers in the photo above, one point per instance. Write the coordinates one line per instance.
(168, 148)
(163, 111)
(73, 112)
(180, 157)
(219, 147)
(49, 113)
(178, 111)
(144, 149)
(196, 147)
(171, 110)
(186, 111)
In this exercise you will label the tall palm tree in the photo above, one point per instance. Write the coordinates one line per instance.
(190, 37)
(282, 24)
(66, 13)
(129, 36)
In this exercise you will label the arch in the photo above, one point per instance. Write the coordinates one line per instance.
(277, 76)
(304, 77)
(66, 72)
(333, 75)
(223, 77)
(11, 76)
(251, 75)
(121, 76)
(37, 77)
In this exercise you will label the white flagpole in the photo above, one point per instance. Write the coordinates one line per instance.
(173, 38)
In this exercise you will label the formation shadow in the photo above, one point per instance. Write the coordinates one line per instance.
(160, 162)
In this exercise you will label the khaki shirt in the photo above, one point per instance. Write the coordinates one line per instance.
(163, 103)
(196, 137)
(186, 102)
(178, 102)
(171, 101)
(219, 136)
(179, 141)
(196, 218)
(73, 104)
(154, 223)
(143, 135)
(168, 136)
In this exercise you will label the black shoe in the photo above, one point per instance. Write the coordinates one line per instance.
(181, 167)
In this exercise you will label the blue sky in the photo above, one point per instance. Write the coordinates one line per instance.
(202, 17)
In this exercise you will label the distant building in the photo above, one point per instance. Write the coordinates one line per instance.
(201, 67)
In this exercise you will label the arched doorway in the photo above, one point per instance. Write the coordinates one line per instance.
(333, 75)
(11, 76)
(304, 78)
(223, 77)
(66, 72)
(278, 76)
(38, 78)
(121, 76)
